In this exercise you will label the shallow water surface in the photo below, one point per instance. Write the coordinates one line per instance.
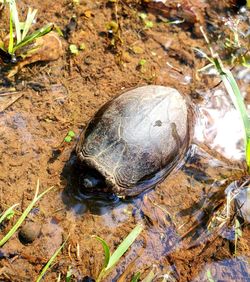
(191, 220)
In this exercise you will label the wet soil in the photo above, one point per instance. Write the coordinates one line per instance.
(184, 236)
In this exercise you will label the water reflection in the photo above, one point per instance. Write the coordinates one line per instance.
(243, 203)
(228, 270)
(219, 125)
(95, 204)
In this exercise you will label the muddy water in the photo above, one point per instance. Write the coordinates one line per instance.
(189, 231)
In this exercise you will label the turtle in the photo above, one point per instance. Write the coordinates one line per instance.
(135, 140)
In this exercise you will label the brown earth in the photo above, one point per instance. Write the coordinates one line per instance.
(63, 95)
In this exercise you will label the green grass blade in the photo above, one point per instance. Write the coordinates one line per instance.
(239, 102)
(48, 264)
(236, 97)
(68, 275)
(11, 38)
(7, 213)
(24, 215)
(14, 13)
(110, 261)
(106, 250)
(248, 153)
(38, 33)
(136, 277)
(123, 247)
(28, 22)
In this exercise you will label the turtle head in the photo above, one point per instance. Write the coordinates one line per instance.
(92, 180)
(93, 186)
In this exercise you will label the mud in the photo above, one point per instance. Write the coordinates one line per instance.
(184, 236)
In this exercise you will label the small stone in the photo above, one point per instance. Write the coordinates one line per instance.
(29, 232)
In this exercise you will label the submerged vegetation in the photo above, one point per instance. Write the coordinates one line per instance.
(49, 263)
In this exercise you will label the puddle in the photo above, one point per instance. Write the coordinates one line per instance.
(188, 235)
(237, 269)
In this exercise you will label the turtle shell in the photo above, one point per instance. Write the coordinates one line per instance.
(137, 138)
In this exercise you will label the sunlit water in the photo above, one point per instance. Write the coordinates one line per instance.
(219, 125)
(228, 270)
